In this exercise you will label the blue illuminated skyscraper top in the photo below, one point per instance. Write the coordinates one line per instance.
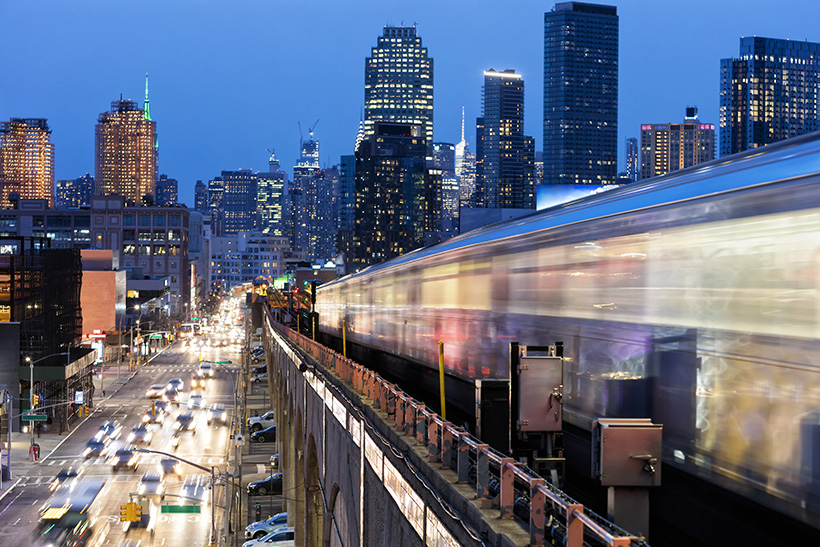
(580, 94)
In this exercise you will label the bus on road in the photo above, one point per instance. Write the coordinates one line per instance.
(73, 515)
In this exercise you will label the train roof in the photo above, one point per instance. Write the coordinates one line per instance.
(784, 160)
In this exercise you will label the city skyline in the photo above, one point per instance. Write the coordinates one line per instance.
(218, 104)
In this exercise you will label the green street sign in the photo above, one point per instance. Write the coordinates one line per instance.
(181, 509)
(34, 417)
(223, 362)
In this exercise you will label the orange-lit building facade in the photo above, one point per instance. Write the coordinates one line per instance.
(26, 160)
(125, 161)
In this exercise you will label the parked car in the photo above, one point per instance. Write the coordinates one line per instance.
(260, 378)
(270, 485)
(274, 461)
(261, 369)
(264, 436)
(217, 413)
(261, 528)
(257, 423)
(281, 537)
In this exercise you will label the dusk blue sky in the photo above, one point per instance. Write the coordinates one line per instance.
(229, 79)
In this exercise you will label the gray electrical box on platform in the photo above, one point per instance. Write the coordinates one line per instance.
(627, 452)
(540, 384)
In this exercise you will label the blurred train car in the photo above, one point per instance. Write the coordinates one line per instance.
(690, 298)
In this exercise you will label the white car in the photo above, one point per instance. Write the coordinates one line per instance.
(258, 423)
(206, 369)
(196, 400)
(281, 537)
(262, 528)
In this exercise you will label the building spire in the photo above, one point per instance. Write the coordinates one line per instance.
(147, 106)
(462, 123)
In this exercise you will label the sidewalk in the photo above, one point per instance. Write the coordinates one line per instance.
(21, 464)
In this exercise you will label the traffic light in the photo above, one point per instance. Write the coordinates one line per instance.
(36, 400)
(124, 512)
(137, 512)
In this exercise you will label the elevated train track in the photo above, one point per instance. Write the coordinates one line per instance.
(691, 299)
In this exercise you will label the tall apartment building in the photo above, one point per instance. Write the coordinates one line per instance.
(580, 94)
(271, 194)
(126, 156)
(26, 160)
(672, 146)
(505, 177)
(398, 82)
(390, 192)
(632, 159)
(447, 191)
(74, 193)
(167, 192)
(769, 93)
(232, 199)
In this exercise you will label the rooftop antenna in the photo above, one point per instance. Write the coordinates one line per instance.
(147, 108)
(462, 124)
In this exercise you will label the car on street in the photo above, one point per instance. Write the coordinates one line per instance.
(198, 380)
(196, 401)
(257, 423)
(171, 395)
(207, 369)
(176, 383)
(169, 466)
(124, 458)
(260, 378)
(140, 435)
(161, 405)
(217, 413)
(95, 447)
(263, 487)
(261, 528)
(264, 436)
(155, 391)
(153, 416)
(185, 422)
(258, 358)
(151, 484)
(65, 474)
(110, 430)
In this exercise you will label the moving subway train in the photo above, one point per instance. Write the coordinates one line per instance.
(690, 298)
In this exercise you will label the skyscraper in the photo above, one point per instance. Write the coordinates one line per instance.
(166, 192)
(74, 193)
(239, 197)
(769, 93)
(505, 178)
(580, 94)
(390, 209)
(672, 146)
(125, 160)
(398, 82)
(271, 190)
(465, 168)
(26, 160)
(200, 197)
(632, 159)
(445, 211)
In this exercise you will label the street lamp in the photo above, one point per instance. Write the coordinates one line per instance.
(31, 394)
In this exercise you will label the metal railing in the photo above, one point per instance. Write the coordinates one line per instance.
(499, 480)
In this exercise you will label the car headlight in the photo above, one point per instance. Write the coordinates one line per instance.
(130, 437)
(141, 489)
(146, 418)
(86, 452)
(224, 416)
(132, 461)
